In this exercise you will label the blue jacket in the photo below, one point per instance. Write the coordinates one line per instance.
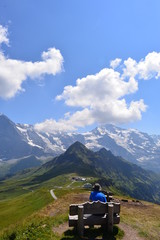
(95, 196)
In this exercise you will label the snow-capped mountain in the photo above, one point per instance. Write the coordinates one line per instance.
(20, 140)
(131, 144)
(13, 143)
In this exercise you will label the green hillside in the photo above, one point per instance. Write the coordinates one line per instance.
(114, 172)
(28, 211)
(40, 217)
(14, 166)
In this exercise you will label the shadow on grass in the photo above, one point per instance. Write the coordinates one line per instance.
(92, 233)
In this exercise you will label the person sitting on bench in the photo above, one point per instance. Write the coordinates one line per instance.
(96, 194)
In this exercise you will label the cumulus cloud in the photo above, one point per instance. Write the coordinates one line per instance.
(115, 63)
(113, 112)
(98, 88)
(4, 35)
(14, 72)
(69, 123)
(52, 126)
(146, 68)
(101, 98)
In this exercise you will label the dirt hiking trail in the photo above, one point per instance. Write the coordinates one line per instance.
(130, 233)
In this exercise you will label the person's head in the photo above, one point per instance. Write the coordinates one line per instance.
(97, 187)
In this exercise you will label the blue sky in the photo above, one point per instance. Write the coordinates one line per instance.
(112, 47)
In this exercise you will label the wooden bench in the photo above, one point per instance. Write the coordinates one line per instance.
(94, 213)
(108, 195)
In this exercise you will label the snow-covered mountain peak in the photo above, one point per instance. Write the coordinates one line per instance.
(19, 140)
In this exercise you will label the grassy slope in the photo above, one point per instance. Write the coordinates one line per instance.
(22, 202)
(43, 225)
(144, 218)
(19, 199)
(16, 209)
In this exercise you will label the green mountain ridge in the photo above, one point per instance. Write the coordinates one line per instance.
(112, 171)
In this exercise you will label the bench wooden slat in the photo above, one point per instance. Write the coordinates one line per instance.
(89, 208)
(94, 208)
(92, 220)
(116, 208)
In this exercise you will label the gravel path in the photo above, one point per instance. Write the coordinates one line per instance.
(52, 194)
(130, 233)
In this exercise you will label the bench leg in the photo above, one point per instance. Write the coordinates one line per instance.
(80, 224)
(110, 218)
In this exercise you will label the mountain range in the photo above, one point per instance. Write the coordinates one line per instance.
(23, 141)
(113, 172)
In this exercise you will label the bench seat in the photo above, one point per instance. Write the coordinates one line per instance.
(94, 213)
(90, 220)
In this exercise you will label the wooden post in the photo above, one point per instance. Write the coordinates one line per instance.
(108, 197)
(80, 224)
(110, 217)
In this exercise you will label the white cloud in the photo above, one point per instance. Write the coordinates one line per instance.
(14, 72)
(4, 35)
(130, 68)
(103, 98)
(149, 67)
(112, 112)
(52, 126)
(115, 63)
(69, 123)
(101, 87)
(146, 68)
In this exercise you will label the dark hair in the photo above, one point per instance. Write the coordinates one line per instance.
(97, 187)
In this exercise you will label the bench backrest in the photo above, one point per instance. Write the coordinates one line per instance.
(94, 208)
